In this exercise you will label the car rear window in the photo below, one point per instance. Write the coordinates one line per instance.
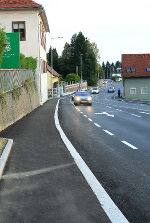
(82, 93)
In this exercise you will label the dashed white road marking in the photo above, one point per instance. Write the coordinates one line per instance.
(90, 119)
(104, 113)
(130, 145)
(112, 211)
(109, 133)
(85, 115)
(81, 112)
(145, 113)
(97, 125)
(136, 115)
(118, 110)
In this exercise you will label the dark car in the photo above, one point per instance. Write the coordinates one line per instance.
(111, 89)
(82, 97)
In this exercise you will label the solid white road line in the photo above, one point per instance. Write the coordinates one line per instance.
(136, 115)
(97, 125)
(130, 145)
(112, 211)
(90, 120)
(108, 132)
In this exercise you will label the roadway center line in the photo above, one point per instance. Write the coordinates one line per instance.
(130, 145)
(112, 211)
(109, 133)
(97, 125)
(136, 115)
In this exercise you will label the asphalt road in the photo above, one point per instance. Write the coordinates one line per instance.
(113, 138)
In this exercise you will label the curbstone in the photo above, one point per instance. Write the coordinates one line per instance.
(4, 156)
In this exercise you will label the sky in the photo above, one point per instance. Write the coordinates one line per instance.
(117, 27)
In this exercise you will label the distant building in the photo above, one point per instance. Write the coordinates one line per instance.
(136, 76)
(29, 19)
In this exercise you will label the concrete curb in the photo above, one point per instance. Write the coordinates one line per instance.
(4, 156)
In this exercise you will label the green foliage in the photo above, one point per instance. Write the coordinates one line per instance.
(3, 43)
(28, 63)
(2, 98)
(16, 92)
(30, 85)
(72, 77)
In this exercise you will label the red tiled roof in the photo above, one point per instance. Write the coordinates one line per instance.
(6, 4)
(50, 69)
(138, 61)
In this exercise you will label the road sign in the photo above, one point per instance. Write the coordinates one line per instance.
(11, 57)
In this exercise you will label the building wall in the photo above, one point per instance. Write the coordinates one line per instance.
(30, 47)
(137, 84)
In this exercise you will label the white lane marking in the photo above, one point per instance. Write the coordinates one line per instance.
(90, 120)
(130, 145)
(85, 115)
(108, 107)
(136, 115)
(112, 211)
(81, 112)
(97, 125)
(108, 132)
(104, 113)
(145, 113)
(118, 110)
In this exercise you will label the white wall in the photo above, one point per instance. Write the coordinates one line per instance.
(44, 91)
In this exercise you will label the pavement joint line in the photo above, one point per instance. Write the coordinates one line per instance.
(128, 144)
(108, 132)
(107, 204)
(5, 155)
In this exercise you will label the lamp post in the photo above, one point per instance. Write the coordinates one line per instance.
(52, 62)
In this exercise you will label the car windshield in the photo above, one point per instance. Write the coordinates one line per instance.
(82, 93)
(95, 88)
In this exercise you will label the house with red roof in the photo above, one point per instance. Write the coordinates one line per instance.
(29, 19)
(136, 76)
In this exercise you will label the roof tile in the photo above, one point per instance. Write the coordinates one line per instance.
(6, 4)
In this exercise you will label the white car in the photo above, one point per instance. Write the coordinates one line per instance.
(95, 90)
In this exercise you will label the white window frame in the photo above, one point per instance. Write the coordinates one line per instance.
(144, 88)
(131, 90)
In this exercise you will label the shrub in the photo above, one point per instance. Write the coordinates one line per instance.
(28, 63)
(72, 77)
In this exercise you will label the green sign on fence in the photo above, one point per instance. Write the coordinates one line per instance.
(11, 57)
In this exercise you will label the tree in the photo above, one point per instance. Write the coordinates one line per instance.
(3, 43)
(72, 77)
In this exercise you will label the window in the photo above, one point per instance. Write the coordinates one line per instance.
(144, 90)
(130, 70)
(148, 69)
(19, 27)
(132, 91)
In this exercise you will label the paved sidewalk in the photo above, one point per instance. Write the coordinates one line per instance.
(41, 182)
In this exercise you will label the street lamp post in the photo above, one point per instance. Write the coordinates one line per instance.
(52, 62)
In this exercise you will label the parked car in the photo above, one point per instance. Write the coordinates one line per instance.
(95, 90)
(73, 95)
(82, 97)
(111, 89)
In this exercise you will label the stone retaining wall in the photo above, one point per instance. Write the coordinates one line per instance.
(15, 108)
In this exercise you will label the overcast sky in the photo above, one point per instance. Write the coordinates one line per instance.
(116, 26)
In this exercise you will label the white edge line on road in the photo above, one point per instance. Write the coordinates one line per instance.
(90, 120)
(108, 132)
(145, 113)
(97, 125)
(130, 145)
(136, 115)
(112, 211)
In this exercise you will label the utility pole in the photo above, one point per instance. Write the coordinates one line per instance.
(81, 69)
